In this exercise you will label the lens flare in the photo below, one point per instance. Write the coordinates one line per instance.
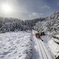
(6, 8)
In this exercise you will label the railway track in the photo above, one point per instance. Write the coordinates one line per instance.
(43, 51)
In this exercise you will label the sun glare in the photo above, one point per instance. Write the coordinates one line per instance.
(6, 8)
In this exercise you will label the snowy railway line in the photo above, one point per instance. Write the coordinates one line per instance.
(18, 45)
(43, 51)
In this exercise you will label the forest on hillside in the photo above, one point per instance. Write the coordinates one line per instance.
(47, 24)
(13, 24)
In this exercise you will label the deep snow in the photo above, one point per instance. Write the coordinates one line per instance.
(52, 46)
(41, 49)
(15, 45)
(18, 45)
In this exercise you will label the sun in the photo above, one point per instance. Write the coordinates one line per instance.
(6, 8)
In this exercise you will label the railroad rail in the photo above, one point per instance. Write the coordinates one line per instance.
(43, 50)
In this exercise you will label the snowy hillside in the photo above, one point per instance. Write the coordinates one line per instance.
(13, 24)
(50, 26)
(15, 45)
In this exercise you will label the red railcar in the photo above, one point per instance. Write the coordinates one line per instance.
(37, 35)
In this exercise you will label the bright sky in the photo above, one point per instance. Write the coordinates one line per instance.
(28, 9)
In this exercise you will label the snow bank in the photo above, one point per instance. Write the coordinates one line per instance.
(15, 45)
(54, 47)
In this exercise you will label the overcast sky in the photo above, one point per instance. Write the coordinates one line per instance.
(30, 9)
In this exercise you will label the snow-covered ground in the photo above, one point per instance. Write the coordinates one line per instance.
(15, 45)
(35, 49)
(53, 46)
(40, 49)
(18, 45)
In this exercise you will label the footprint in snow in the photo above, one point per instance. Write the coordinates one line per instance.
(18, 41)
(5, 53)
(2, 57)
(19, 55)
(15, 52)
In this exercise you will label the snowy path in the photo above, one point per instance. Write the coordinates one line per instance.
(40, 50)
(35, 50)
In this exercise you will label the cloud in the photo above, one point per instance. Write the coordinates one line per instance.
(35, 15)
(45, 6)
(57, 4)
